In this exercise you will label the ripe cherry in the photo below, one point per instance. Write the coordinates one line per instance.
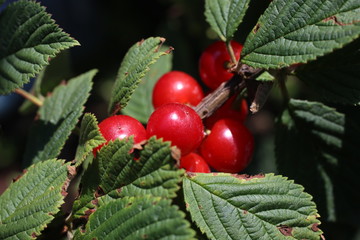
(176, 86)
(177, 123)
(194, 163)
(214, 63)
(229, 109)
(229, 146)
(121, 126)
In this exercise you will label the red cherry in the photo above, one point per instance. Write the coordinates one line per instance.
(228, 110)
(121, 126)
(176, 86)
(194, 163)
(214, 63)
(177, 123)
(229, 146)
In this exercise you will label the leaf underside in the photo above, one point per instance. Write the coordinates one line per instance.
(225, 16)
(226, 206)
(58, 116)
(30, 203)
(28, 38)
(297, 31)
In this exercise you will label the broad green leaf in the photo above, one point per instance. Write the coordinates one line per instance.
(137, 218)
(28, 38)
(118, 168)
(140, 105)
(317, 146)
(30, 203)
(228, 206)
(225, 16)
(297, 31)
(90, 137)
(57, 118)
(133, 68)
(335, 77)
(131, 172)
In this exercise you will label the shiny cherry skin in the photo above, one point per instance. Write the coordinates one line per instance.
(121, 126)
(177, 86)
(214, 63)
(237, 112)
(228, 147)
(177, 123)
(194, 163)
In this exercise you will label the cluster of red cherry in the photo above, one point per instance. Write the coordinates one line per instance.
(228, 144)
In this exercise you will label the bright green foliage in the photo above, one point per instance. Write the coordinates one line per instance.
(140, 105)
(265, 77)
(137, 218)
(133, 68)
(149, 171)
(225, 16)
(29, 204)
(297, 31)
(90, 137)
(317, 147)
(28, 38)
(228, 206)
(57, 118)
(335, 77)
(118, 168)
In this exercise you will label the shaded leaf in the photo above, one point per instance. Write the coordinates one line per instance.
(316, 146)
(57, 118)
(137, 218)
(227, 206)
(335, 77)
(29, 204)
(90, 137)
(133, 68)
(297, 31)
(225, 16)
(28, 38)
(140, 105)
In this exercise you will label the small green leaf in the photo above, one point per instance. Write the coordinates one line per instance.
(140, 105)
(297, 31)
(57, 118)
(28, 38)
(335, 77)
(225, 16)
(265, 77)
(30, 203)
(133, 68)
(137, 218)
(227, 206)
(90, 137)
(317, 146)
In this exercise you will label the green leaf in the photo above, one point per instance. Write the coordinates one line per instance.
(133, 68)
(118, 168)
(57, 118)
(140, 105)
(335, 77)
(225, 16)
(317, 147)
(137, 218)
(265, 77)
(29, 204)
(227, 206)
(28, 38)
(297, 31)
(90, 138)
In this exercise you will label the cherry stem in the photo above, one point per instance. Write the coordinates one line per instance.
(29, 97)
(231, 52)
(218, 97)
